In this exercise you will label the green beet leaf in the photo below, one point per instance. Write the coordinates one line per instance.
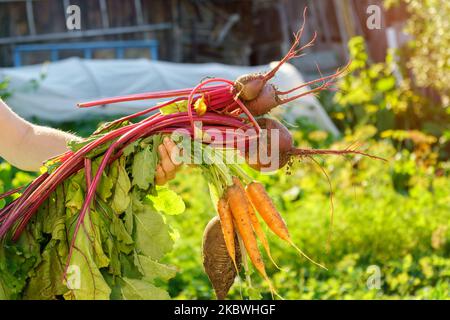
(47, 282)
(85, 281)
(144, 163)
(121, 198)
(152, 234)
(144, 166)
(167, 201)
(152, 270)
(134, 289)
(106, 184)
(124, 240)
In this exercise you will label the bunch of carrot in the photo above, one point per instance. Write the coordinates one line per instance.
(236, 210)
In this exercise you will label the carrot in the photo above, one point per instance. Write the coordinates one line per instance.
(226, 221)
(239, 210)
(255, 222)
(260, 234)
(266, 209)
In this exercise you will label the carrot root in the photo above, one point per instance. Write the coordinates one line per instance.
(255, 223)
(226, 220)
(305, 255)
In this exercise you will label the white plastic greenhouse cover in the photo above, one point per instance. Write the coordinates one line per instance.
(74, 80)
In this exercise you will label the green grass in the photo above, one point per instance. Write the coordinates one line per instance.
(376, 228)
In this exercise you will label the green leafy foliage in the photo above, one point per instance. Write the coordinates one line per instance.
(167, 201)
(144, 167)
(374, 94)
(152, 234)
(117, 250)
(426, 53)
(4, 92)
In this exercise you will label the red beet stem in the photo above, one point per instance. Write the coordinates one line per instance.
(54, 178)
(11, 192)
(10, 220)
(145, 96)
(30, 202)
(27, 214)
(198, 89)
(249, 115)
(5, 211)
(143, 112)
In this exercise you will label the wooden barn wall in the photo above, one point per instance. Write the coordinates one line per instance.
(259, 31)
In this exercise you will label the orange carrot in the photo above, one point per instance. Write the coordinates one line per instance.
(226, 221)
(239, 209)
(255, 222)
(260, 233)
(267, 210)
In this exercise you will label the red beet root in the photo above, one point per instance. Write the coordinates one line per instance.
(266, 101)
(260, 97)
(249, 86)
(284, 150)
(281, 155)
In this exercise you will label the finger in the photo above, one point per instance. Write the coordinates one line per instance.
(173, 151)
(162, 152)
(166, 163)
(160, 176)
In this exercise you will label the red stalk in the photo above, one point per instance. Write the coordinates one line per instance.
(5, 211)
(145, 96)
(11, 192)
(249, 115)
(198, 88)
(26, 215)
(31, 201)
(52, 179)
(32, 186)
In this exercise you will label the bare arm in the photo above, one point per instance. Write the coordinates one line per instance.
(27, 146)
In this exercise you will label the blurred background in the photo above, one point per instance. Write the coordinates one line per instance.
(391, 231)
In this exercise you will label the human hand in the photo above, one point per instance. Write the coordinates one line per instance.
(168, 164)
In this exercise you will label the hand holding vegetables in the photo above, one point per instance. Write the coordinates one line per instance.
(168, 163)
(113, 201)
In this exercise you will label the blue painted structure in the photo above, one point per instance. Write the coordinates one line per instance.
(87, 48)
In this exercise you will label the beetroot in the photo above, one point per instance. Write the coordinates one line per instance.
(281, 156)
(270, 97)
(260, 96)
(285, 149)
(249, 86)
(266, 101)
